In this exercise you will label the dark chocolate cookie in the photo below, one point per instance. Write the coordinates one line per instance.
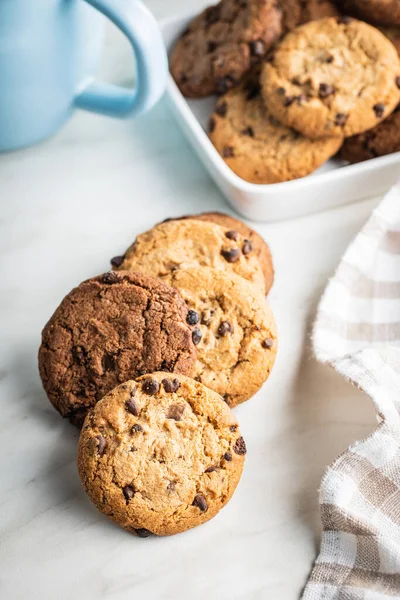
(379, 141)
(297, 12)
(110, 329)
(383, 12)
(222, 43)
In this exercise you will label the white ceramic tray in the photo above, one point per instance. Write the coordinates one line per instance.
(332, 185)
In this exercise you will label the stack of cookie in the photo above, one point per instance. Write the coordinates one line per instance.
(291, 95)
(150, 358)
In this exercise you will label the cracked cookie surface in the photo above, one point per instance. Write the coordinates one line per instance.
(237, 331)
(191, 243)
(110, 329)
(256, 146)
(222, 44)
(332, 77)
(260, 246)
(160, 455)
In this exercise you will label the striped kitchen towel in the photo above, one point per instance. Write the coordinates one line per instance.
(357, 332)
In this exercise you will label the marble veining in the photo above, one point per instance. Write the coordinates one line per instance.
(67, 207)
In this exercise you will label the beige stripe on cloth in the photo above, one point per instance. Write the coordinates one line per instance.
(357, 332)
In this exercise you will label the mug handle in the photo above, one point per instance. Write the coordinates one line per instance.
(141, 29)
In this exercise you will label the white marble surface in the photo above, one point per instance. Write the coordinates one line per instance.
(67, 206)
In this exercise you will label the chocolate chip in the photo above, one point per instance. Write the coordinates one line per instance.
(143, 533)
(150, 386)
(212, 14)
(329, 59)
(228, 456)
(101, 444)
(325, 90)
(280, 91)
(171, 486)
(289, 100)
(340, 119)
(232, 235)
(224, 328)
(211, 469)
(344, 20)
(109, 278)
(268, 343)
(175, 412)
(131, 406)
(200, 502)
(221, 109)
(211, 124)
(128, 492)
(233, 428)
(192, 318)
(398, 82)
(247, 247)
(228, 152)
(257, 48)
(117, 261)
(240, 446)
(252, 91)
(108, 362)
(136, 428)
(232, 255)
(211, 46)
(207, 315)
(223, 84)
(248, 131)
(379, 109)
(196, 336)
(170, 385)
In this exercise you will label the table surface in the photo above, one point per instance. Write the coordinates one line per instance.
(67, 206)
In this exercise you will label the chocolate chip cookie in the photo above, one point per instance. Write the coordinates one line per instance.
(191, 243)
(256, 146)
(332, 77)
(237, 338)
(160, 455)
(109, 329)
(261, 248)
(222, 43)
(385, 12)
(379, 141)
(297, 12)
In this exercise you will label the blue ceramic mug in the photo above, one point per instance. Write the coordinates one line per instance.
(49, 51)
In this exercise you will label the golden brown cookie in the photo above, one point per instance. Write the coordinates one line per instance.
(256, 146)
(332, 77)
(222, 43)
(191, 243)
(236, 329)
(379, 141)
(261, 248)
(160, 455)
(109, 329)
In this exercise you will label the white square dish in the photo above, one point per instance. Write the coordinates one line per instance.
(334, 184)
